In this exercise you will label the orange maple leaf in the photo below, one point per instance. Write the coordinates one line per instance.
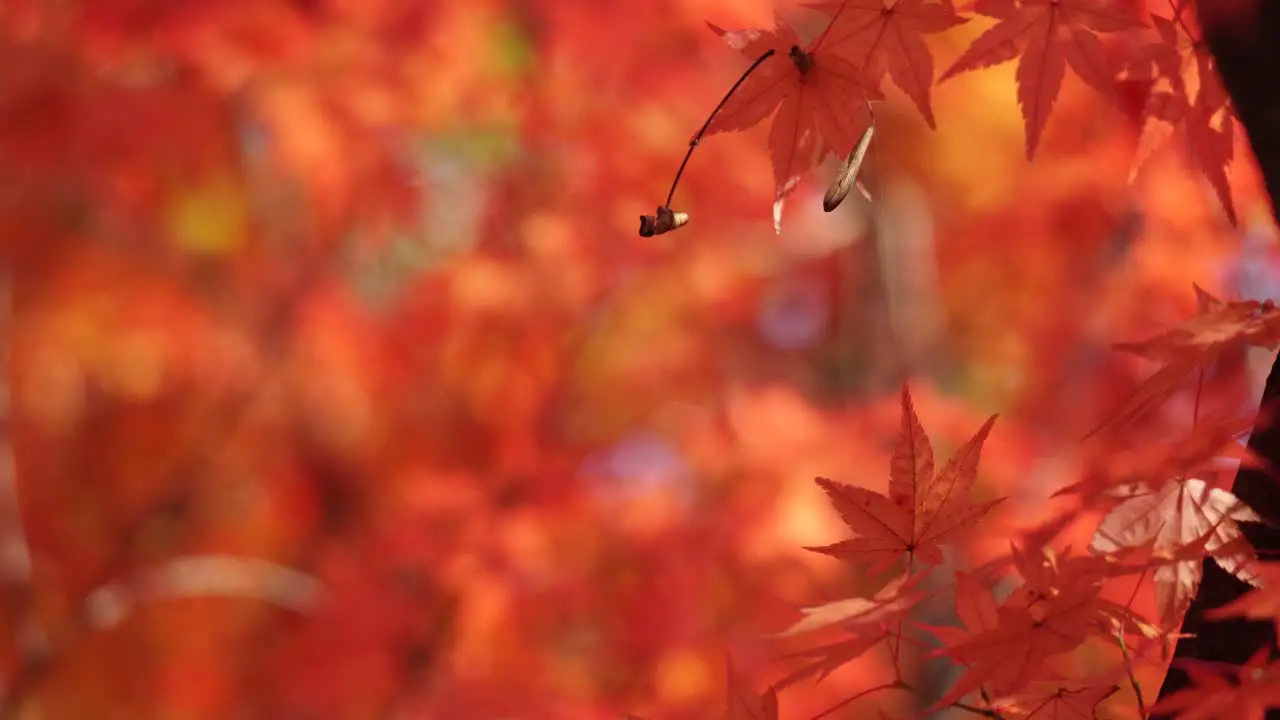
(821, 101)
(1050, 35)
(923, 509)
(1170, 518)
(887, 36)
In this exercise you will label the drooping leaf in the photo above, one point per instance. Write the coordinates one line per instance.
(821, 102)
(847, 177)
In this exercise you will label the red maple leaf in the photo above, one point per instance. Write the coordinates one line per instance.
(1186, 99)
(1218, 328)
(888, 36)
(1056, 608)
(1049, 35)
(923, 509)
(1245, 691)
(821, 101)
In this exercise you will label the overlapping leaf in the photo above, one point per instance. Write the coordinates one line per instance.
(1170, 518)
(1186, 98)
(1056, 608)
(1219, 327)
(820, 100)
(887, 36)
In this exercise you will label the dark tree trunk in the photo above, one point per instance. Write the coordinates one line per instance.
(1244, 37)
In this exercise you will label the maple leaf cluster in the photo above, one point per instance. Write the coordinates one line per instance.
(332, 387)
(820, 93)
(1160, 519)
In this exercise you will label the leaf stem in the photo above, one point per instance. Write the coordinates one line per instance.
(897, 637)
(1195, 410)
(1133, 680)
(987, 699)
(703, 130)
(1178, 6)
(984, 712)
(864, 693)
(975, 710)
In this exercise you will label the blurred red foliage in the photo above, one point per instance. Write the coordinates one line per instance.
(339, 385)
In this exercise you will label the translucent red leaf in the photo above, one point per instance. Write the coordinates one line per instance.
(1170, 518)
(1186, 99)
(1049, 35)
(922, 511)
(820, 98)
(888, 36)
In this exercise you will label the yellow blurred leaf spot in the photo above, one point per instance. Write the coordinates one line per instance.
(683, 676)
(209, 218)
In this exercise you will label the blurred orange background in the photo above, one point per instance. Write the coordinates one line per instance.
(340, 385)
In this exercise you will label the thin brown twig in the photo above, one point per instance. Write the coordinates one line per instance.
(974, 709)
(703, 130)
(886, 686)
(992, 713)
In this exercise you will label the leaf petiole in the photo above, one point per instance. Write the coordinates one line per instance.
(703, 130)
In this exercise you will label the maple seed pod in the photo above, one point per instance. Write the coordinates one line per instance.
(802, 59)
(847, 177)
(665, 220)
